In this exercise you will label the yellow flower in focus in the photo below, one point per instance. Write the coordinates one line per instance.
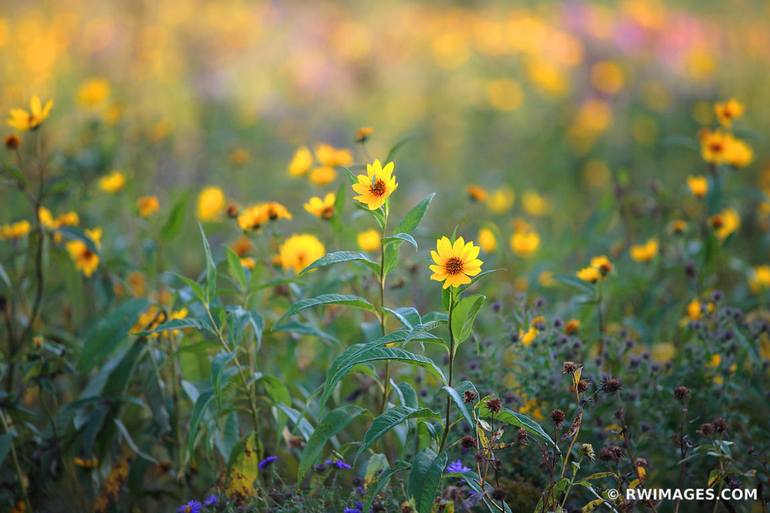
(301, 162)
(527, 337)
(728, 111)
(93, 93)
(330, 156)
(725, 223)
(694, 310)
(698, 185)
(86, 260)
(477, 193)
(322, 208)
(644, 252)
(369, 240)
(113, 182)
(607, 77)
(759, 279)
(501, 200)
(375, 187)
(253, 217)
(487, 240)
(147, 205)
(23, 120)
(663, 352)
(323, 175)
(211, 204)
(589, 274)
(299, 251)
(525, 244)
(455, 263)
(534, 204)
(15, 230)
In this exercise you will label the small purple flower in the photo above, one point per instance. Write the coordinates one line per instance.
(340, 464)
(267, 461)
(457, 467)
(211, 500)
(351, 510)
(190, 507)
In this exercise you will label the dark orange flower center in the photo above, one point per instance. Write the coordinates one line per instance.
(716, 147)
(327, 212)
(377, 188)
(454, 266)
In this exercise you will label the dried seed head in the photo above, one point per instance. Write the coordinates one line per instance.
(569, 367)
(558, 416)
(12, 142)
(494, 404)
(681, 392)
(611, 385)
(467, 442)
(469, 396)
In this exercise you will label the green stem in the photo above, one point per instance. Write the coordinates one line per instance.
(15, 459)
(386, 384)
(451, 371)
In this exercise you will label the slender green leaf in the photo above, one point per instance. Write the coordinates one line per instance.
(327, 299)
(390, 419)
(519, 420)
(425, 478)
(109, 332)
(339, 257)
(201, 404)
(464, 315)
(175, 221)
(334, 422)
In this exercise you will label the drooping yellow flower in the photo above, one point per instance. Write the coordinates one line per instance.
(93, 93)
(23, 120)
(275, 211)
(477, 193)
(299, 251)
(725, 223)
(322, 208)
(602, 264)
(253, 217)
(456, 263)
(535, 204)
(330, 156)
(15, 230)
(698, 185)
(694, 310)
(525, 244)
(487, 240)
(301, 162)
(644, 252)
(375, 187)
(112, 182)
(589, 274)
(86, 260)
(501, 200)
(759, 279)
(728, 111)
(363, 134)
(369, 240)
(211, 204)
(322, 175)
(147, 205)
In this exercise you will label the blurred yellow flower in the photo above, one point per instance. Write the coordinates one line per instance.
(527, 337)
(322, 208)
(644, 252)
(725, 223)
(64, 219)
(241, 246)
(147, 205)
(323, 175)
(239, 156)
(602, 264)
(211, 204)
(714, 361)
(698, 185)
(505, 94)
(363, 134)
(330, 156)
(607, 77)
(454, 264)
(86, 260)
(694, 310)
(546, 279)
(534, 204)
(525, 244)
(14, 230)
(301, 162)
(93, 93)
(248, 262)
(299, 251)
(728, 111)
(739, 154)
(677, 226)
(501, 200)
(718, 147)
(477, 193)
(275, 211)
(548, 77)
(589, 274)
(23, 120)
(253, 217)
(369, 240)
(759, 279)
(375, 187)
(663, 352)
(487, 240)
(572, 326)
(113, 182)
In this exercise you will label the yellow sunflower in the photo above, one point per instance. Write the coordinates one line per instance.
(455, 263)
(322, 208)
(375, 187)
(22, 120)
(299, 251)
